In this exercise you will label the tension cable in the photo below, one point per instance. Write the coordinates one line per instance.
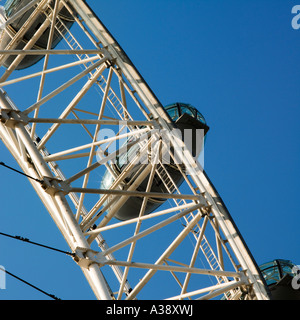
(20, 172)
(31, 285)
(37, 244)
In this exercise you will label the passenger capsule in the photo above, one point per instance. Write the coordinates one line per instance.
(12, 7)
(187, 119)
(282, 278)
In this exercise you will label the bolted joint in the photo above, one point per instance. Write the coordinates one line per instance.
(85, 257)
(206, 210)
(243, 277)
(49, 186)
(11, 117)
(52, 185)
(247, 287)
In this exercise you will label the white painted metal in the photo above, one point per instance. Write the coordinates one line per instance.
(191, 239)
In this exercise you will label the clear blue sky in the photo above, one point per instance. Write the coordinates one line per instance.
(238, 63)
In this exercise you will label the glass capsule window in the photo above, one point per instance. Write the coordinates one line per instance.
(178, 109)
(173, 113)
(200, 117)
(270, 273)
(188, 110)
(10, 5)
(275, 270)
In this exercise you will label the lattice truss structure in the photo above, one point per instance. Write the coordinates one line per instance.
(60, 133)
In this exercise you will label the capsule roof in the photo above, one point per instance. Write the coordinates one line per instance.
(175, 110)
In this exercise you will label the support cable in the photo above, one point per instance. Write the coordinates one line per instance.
(37, 244)
(31, 242)
(20, 172)
(31, 285)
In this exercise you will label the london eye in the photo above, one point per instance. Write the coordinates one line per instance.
(118, 172)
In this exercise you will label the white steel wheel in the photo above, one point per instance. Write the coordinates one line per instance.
(86, 107)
